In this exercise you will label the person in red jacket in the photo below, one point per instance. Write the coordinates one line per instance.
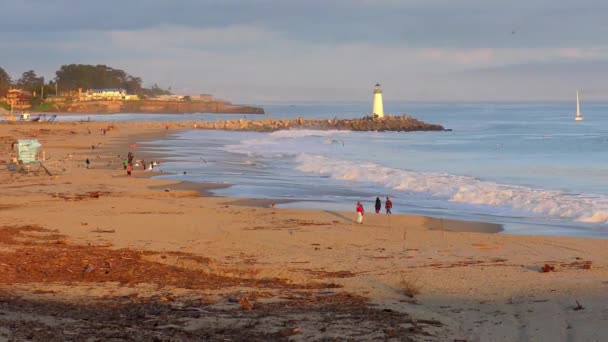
(360, 212)
(388, 205)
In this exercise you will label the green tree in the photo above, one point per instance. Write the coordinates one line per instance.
(133, 85)
(30, 81)
(153, 91)
(5, 81)
(74, 76)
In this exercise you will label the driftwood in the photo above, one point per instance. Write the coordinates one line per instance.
(578, 306)
(103, 231)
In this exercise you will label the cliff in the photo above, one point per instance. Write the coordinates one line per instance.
(149, 106)
(402, 123)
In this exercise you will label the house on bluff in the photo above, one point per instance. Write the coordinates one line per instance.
(106, 94)
(19, 99)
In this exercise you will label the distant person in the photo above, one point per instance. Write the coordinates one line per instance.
(125, 163)
(360, 212)
(378, 205)
(88, 162)
(388, 205)
(129, 169)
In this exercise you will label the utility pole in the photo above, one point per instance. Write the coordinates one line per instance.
(56, 88)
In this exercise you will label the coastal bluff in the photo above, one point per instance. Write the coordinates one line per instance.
(154, 107)
(403, 123)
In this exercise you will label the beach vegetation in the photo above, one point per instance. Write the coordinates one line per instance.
(409, 287)
(42, 107)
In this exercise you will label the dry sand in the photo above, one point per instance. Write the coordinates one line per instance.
(92, 253)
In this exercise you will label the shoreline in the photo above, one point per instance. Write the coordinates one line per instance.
(99, 238)
(206, 188)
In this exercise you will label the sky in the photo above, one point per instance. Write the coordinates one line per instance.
(260, 51)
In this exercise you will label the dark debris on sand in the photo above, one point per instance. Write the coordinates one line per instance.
(313, 311)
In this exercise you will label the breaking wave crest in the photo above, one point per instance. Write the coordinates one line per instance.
(589, 208)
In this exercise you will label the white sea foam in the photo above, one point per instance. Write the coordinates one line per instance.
(461, 189)
(274, 143)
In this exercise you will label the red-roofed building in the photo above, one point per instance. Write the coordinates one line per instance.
(19, 99)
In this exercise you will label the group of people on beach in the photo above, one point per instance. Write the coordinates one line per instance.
(130, 162)
(388, 205)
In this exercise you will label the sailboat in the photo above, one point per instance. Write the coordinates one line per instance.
(578, 116)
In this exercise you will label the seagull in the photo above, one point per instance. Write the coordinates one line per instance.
(338, 141)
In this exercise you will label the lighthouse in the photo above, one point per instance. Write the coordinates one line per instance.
(378, 108)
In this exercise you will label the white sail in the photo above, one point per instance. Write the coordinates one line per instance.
(578, 117)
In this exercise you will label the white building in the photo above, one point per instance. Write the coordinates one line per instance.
(107, 94)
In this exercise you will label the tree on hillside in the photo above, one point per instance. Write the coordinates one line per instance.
(155, 90)
(74, 76)
(133, 85)
(30, 81)
(5, 81)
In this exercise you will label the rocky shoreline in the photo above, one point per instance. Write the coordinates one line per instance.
(403, 123)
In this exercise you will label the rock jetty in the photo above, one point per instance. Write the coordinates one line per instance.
(403, 123)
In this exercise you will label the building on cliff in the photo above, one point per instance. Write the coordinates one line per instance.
(107, 94)
(19, 99)
(176, 97)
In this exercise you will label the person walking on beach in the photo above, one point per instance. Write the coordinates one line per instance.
(388, 205)
(88, 162)
(360, 212)
(124, 164)
(378, 205)
(129, 169)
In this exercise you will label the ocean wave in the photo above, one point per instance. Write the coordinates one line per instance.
(278, 139)
(589, 208)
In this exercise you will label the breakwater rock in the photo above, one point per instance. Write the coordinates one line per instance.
(403, 123)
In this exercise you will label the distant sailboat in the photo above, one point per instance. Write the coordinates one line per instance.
(578, 117)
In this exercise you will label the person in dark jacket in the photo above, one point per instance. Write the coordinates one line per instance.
(378, 205)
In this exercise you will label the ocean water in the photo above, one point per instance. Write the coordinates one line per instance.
(528, 166)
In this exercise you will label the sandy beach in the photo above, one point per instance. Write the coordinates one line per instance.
(92, 254)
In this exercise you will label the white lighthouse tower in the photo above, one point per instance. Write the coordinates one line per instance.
(378, 108)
